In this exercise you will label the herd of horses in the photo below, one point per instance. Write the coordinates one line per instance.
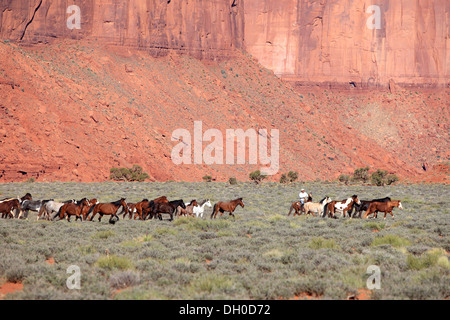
(331, 208)
(87, 209)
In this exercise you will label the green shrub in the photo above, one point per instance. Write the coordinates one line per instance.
(391, 178)
(361, 175)
(344, 178)
(284, 178)
(290, 177)
(207, 178)
(232, 180)
(257, 176)
(378, 178)
(430, 258)
(391, 239)
(321, 243)
(124, 174)
(114, 262)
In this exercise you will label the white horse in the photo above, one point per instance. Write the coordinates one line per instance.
(51, 207)
(200, 208)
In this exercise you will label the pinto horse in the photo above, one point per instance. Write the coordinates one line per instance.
(228, 206)
(169, 208)
(313, 207)
(74, 209)
(340, 206)
(385, 207)
(108, 209)
(297, 206)
(6, 207)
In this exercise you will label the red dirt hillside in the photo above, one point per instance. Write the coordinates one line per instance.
(71, 110)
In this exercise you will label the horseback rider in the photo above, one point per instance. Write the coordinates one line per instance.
(303, 197)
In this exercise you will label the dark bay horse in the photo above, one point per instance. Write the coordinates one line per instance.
(359, 208)
(73, 209)
(169, 208)
(228, 206)
(385, 207)
(109, 209)
(297, 206)
(6, 207)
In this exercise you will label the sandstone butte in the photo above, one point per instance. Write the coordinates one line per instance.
(75, 102)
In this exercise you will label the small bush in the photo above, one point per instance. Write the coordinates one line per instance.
(391, 178)
(321, 243)
(114, 262)
(124, 279)
(361, 175)
(257, 176)
(378, 178)
(207, 178)
(290, 177)
(232, 180)
(392, 240)
(124, 174)
(344, 178)
(283, 178)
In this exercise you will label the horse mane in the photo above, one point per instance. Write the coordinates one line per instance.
(202, 202)
(322, 200)
(117, 203)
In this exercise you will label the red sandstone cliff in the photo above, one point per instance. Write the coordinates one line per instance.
(74, 103)
(306, 40)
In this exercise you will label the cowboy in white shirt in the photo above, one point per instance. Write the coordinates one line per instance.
(303, 197)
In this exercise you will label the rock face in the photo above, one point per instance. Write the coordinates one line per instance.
(201, 28)
(330, 42)
(364, 42)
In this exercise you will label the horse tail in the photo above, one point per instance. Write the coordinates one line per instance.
(290, 210)
(90, 211)
(325, 211)
(214, 210)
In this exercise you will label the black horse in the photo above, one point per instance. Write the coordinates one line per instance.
(364, 206)
(157, 208)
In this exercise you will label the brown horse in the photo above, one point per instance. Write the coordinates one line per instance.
(170, 208)
(297, 206)
(228, 206)
(109, 209)
(189, 209)
(340, 206)
(6, 207)
(385, 207)
(72, 209)
(143, 207)
(131, 208)
(18, 213)
(87, 209)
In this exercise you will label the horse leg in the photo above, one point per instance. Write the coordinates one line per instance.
(100, 216)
